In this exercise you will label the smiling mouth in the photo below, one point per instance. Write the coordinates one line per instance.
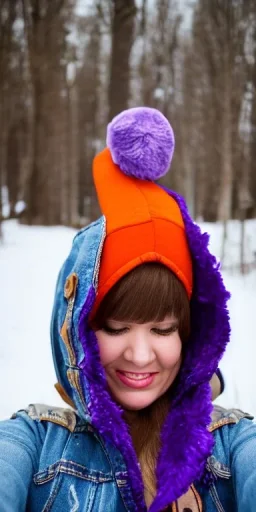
(136, 376)
(136, 380)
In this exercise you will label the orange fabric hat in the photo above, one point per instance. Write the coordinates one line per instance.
(143, 223)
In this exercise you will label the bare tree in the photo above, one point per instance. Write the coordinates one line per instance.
(7, 18)
(122, 30)
(45, 30)
(89, 90)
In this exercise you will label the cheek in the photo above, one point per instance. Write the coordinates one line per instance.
(170, 353)
(108, 349)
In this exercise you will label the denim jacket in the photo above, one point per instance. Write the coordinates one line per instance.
(51, 460)
(83, 459)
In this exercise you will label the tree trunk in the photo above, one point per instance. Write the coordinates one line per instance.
(88, 90)
(122, 41)
(7, 17)
(73, 157)
(226, 179)
(46, 32)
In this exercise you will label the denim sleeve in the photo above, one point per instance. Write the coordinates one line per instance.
(243, 464)
(21, 440)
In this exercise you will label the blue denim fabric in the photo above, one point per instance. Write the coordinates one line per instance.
(47, 467)
(235, 454)
(44, 466)
(83, 261)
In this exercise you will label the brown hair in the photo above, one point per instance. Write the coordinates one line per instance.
(147, 293)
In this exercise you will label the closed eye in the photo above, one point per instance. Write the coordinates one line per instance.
(165, 332)
(113, 332)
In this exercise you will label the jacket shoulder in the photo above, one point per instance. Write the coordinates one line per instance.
(61, 416)
(67, 417)
(221, 416)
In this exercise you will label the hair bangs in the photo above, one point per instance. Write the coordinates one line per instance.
(148, 293)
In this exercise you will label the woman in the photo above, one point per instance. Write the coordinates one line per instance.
(139, 325)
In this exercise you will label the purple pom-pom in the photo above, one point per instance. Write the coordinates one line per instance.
(141, 142)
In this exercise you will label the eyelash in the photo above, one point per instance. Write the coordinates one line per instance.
(113, 332)
(166, 332)
(159, 332)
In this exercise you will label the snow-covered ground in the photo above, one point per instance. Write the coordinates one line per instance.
(29, 262)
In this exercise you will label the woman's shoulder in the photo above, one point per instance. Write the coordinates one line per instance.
(37, 429)
(32, 425)
(233, 460)
(61, 416)
(39, 443)
(221, 417)
(234, 432)
(45, 416)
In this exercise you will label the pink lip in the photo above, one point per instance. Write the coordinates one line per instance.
(133, 383)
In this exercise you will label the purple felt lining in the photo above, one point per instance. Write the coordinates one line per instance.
(185, 437)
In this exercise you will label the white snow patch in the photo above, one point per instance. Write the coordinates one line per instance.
(20, 206)
(30, 259)
(5, 201)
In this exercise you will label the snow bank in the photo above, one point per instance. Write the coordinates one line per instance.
(30, 259)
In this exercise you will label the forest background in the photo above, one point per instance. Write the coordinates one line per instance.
(68, 66)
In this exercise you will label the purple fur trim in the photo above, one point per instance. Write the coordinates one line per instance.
(185, 438)
(186, 445)
(210, 325)
(104, 411)
(141, 142)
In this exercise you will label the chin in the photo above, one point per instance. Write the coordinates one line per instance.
(135, 405)
(129, 407)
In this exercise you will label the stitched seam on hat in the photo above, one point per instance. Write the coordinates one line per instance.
(144, 199)
(180, 274)
(154, 235)
(154, 217)
(146, 222)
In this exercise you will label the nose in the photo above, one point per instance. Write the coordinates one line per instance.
(139, 351)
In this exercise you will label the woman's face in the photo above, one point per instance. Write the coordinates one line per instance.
(141, 360)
